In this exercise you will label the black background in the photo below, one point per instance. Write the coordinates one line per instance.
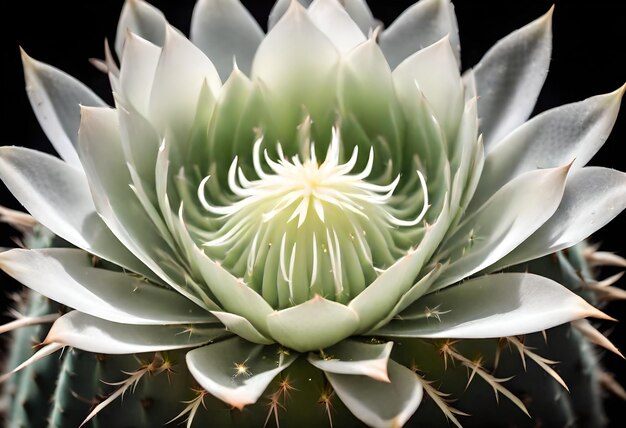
(588, 59)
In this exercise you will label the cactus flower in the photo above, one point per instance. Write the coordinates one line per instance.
(319, 196)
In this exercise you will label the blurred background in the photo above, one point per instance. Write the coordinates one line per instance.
(587, 59)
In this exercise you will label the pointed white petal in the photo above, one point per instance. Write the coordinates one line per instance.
(573, 132)
(242, 328)
(68, 277)
(508, 304)
(143, 19)
(509, 77)
(97, 335)
(57, 195)
(435, 71)
(279, 9)
(333, 20)
(101, 152)
(315, 324)
(505, 221)
(361, 14)
(380, 404)
(56, 98)
(419, 26)
(180, 74)
(593, 197)
(225, 31)
(297, 64)
(235, 371)
(139, 63)
(355, 358)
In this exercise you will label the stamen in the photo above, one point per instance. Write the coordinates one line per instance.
(291, 187)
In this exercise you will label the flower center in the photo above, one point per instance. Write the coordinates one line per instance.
(306, 227)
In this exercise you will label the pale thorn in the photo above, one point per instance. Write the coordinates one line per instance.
(604, 258)
(609, 383)
(20, 220)
(439, 398)
(192, 408)
(541, 362)
(594, 336)
(25, 321)
(43, 352)
(132, 380)
(495, 383)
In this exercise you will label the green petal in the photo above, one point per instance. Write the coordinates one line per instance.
(420, 288)
(235, 371)
(380, 404)
(381, 120)
(242, 328)
(297, 64)
(435, 71)
(315, 324)
(355, 358)
(380, 297)
(225, 120)
(232, 293)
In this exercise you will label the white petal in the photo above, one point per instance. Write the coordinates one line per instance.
(58, 196)
(96, 335)
(593, 197)
(143, 19)
(56, 98)
(380, 404)
(361, 14)
(180, 74)
(504, 222)
(101, 152)
(138, 68)
(68, 277)
(509, 77)
(570, 133)
(225, 31)
(314, 324)
(508, 304)
(333, 20)
(419, 26)
(279, 9)
(435, 71)
(355, 358)
(235, 371)
(242, 328)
